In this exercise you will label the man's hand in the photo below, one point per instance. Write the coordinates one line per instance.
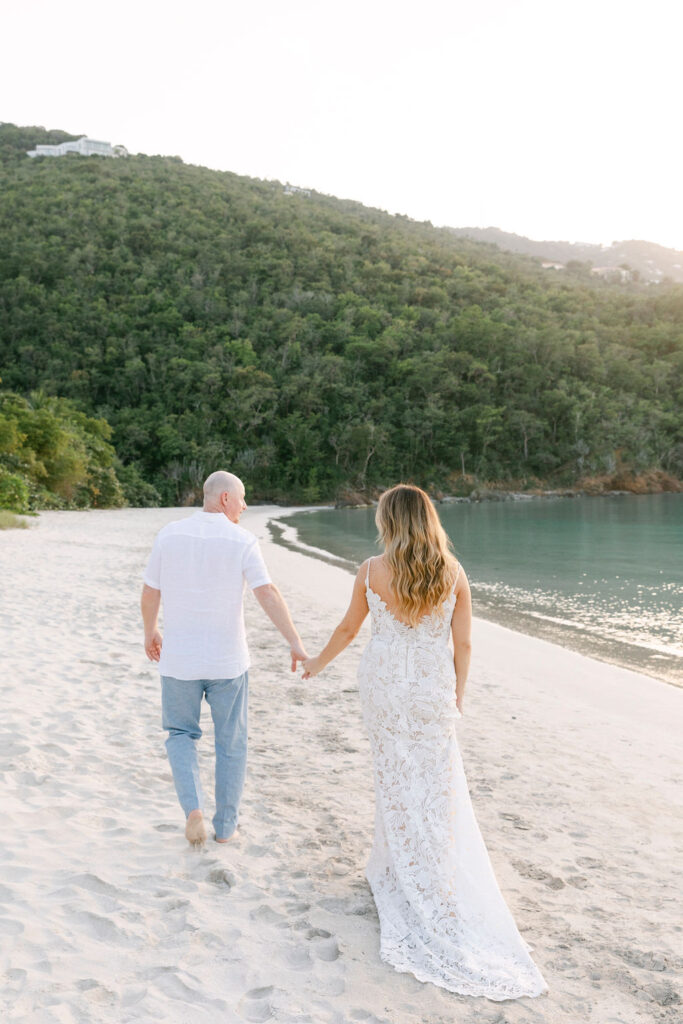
(298, 653)
(149, 605)
(273, 604)
(153, 645)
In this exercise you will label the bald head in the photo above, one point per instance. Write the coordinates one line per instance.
(219, 484)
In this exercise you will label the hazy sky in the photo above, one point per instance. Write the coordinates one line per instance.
(553, 119)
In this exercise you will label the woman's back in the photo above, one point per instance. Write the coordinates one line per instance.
(389, 620)
(406, 672)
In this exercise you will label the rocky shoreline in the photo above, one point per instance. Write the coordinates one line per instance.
(655, 482)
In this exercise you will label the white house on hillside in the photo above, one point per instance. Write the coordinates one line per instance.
(84, 146)
(294, 190)
(612, 273)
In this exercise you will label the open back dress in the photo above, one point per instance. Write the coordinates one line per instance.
(442, 915)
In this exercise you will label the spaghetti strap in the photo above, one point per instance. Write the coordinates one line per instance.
(455, 581)
(367, 574)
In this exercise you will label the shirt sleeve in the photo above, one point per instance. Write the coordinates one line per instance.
(254, 568)
(152, 573)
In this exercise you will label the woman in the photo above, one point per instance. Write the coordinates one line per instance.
(442, 916)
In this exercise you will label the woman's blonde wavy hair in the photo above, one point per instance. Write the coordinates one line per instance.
(417, 549)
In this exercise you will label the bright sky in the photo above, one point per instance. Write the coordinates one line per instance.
(557, 120)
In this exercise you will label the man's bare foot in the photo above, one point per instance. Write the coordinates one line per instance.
(229, 839)
(195, 830)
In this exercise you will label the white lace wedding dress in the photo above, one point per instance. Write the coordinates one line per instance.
(442, 915)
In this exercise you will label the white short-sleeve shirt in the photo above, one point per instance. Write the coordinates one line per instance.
(200, 565)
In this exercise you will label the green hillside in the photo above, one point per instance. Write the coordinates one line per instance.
(313, 345)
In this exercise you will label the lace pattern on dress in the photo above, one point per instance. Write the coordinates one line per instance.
(442, 915)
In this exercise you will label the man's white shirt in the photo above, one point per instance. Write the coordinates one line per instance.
(200, 565)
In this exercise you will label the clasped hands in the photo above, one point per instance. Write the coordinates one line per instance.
(311, 666)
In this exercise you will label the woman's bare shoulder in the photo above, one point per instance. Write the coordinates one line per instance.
(461, 580)
(379, 567)
(364, 569)
(379, 575)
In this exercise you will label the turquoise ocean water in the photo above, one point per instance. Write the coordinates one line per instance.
(602, 575)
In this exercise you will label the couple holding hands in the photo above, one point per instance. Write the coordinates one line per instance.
(442, 915)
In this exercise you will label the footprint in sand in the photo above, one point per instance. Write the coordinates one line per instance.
(323, 944)
(134, 994)
(168, 982)
(222, 877)
(578, 881)
(101, 928)
(664, 993)
(93, 883)
(589, 862)
(266, 913)
(354, 906)
(296, 907)
(298, 958)
(256, 1005)
(99, 994)
(339, 866)
(258, 851)
(175, 903)
(15, 982)
(515, 820)
(645, 959)
(538, 874)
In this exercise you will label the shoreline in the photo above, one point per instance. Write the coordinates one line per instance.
(596, 487)
(663, 667)
(484, 491)
(573, 767)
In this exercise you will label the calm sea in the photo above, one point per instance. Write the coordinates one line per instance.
(601, 575)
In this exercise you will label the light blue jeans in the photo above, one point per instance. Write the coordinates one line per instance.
(181, 702)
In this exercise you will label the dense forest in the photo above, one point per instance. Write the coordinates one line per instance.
(53, 455)
(309, 344)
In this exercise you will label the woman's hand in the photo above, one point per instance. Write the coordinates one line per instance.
(345, 631)
(459, 703)
(312, 667)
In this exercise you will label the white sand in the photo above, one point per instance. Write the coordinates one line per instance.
(107, 915)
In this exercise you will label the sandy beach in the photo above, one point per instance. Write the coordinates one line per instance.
(106, 915)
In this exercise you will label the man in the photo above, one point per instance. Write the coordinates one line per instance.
(199, 566)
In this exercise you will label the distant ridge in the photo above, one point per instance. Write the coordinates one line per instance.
(652, 262)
